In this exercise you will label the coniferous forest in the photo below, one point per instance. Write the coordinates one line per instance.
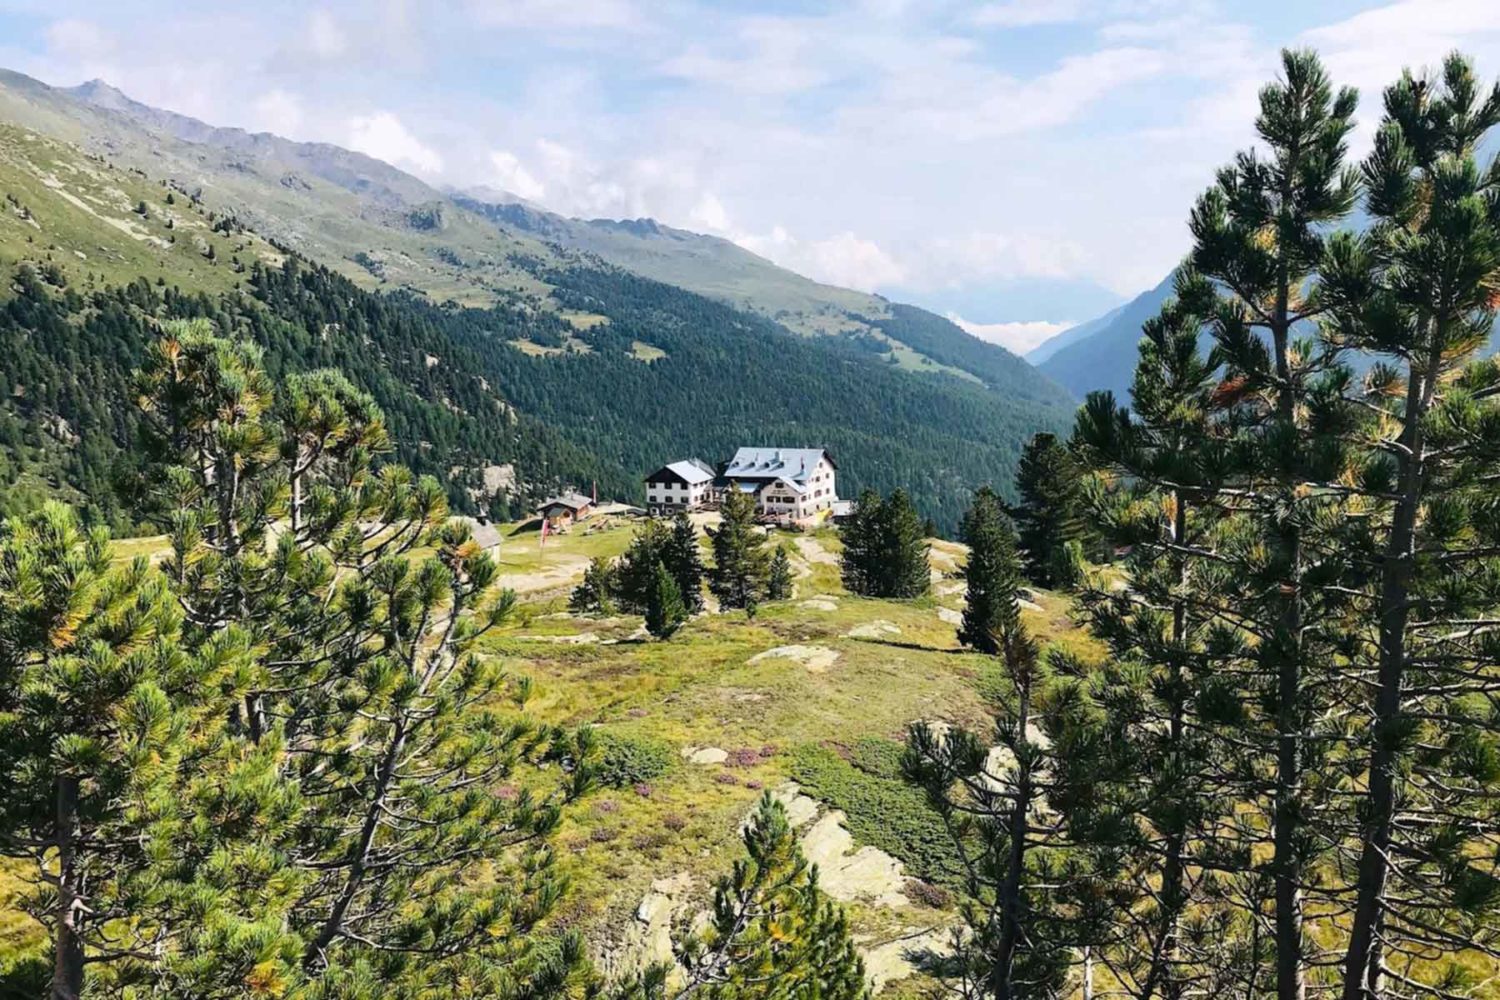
(460, 396)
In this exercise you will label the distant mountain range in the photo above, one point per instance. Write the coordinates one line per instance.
(1101, 353)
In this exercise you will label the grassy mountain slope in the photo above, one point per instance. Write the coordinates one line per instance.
(384, 228)
(707, 265)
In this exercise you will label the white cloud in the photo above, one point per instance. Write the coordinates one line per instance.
(768, 55)
(844, 259)
(277, 111)
(383, 136)
(1023, 13)
(1016, 337)
(511, 175)
(77, 38)
(325, 38)
(709, 215)
(557, 14)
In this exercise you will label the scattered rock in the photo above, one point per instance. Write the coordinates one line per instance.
(951, 616)
(868, 874)
(888, 961)
(819, 604)
(949, 589)
(878, 629)
(800, 809)
(648, 939)
(705, 755)
(815, 658)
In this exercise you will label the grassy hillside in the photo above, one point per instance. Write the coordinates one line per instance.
(386, 229)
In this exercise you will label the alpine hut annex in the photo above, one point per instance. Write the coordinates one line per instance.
(684, 485)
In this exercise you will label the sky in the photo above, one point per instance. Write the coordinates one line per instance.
(1020, 165)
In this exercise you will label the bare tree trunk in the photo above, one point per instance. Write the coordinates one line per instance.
(1164, 950)
(1011, 887)
(67, 970)
(1362, 961)
(1286, 812)
(333, 925)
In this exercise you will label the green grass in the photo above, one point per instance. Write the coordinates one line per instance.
(66, 209)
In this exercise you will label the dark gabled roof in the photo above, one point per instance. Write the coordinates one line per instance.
(572, 501)
(689, 470)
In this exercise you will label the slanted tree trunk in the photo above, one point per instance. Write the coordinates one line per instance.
(67, 970)
(1362, 962)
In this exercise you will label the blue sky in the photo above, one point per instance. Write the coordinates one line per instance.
(1020, 164)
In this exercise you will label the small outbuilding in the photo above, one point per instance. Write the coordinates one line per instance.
(565, 509)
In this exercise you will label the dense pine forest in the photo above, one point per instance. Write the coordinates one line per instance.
(460, 395)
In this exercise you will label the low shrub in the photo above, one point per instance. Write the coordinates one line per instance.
(884, 812)
(927, 894)
(676, 822)
(627, 760)
(743, 758)
(877, 757)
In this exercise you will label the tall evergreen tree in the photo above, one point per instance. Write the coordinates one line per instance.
(635, 573)
(903, 548)
(1419, 291)
(1049, 517)
(1260, 234)
(885, 549)
(859, 562)
(389, 725)
(119, 777)
(665, 610)
(741, 563)
(595, 593)
(986, 574)
(684, 560)
(1146, 787)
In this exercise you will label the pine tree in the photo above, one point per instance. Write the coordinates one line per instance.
(903, 548)
(987, 573)
(635, 573)
(993, 805)
(1143, 780)
(885, 549)
(665, 611)
(741, 565)
(859, 562)
(390, 728)
(1260, 234)
(116, 766)
(684, 560)
(779, 583)
(1049, 517)
(595, 594)
(773, 934)
(1419, 291)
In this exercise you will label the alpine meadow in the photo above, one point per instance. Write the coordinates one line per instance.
(597, 501)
